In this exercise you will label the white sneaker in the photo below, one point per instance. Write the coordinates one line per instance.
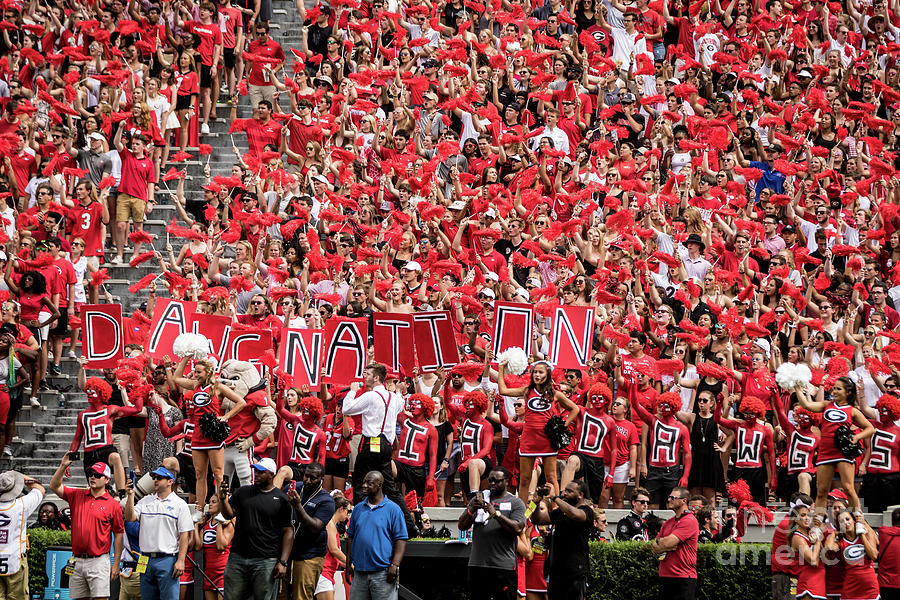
(72, 354)
(204, 129)
(16, 440)
(117, 260)
(7, 452)
(36, 404)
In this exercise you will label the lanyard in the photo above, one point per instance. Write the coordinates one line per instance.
(387, 402)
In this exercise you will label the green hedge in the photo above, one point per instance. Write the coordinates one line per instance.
(628, 571)
(38, 542)
(621, 571)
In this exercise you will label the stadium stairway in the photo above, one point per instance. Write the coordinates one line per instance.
(44, 435)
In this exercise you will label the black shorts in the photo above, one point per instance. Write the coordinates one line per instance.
(756, 480)
(593, 471)
(205, 76)
(61, 325)
(229, 58)
(100, 455)
(338, 467)
(660, 482)
(879, 490)
(412, 477)
(677, 588)
(297, 471)
(566, 587)
(186, 473)
(36, 332)
(464, 477)
(183, 102)
(15, 404)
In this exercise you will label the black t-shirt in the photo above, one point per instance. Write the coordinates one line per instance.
(506, 248)
(569, 555)
(260, 518)
(317, 39)
(123, 424)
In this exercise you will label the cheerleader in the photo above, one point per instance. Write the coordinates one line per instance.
(539, 398)
(212, 536)
(857, 546)
(806, 542)
(840, 410)
(204, 397)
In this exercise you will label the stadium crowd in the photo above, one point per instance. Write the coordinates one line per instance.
(715, 179)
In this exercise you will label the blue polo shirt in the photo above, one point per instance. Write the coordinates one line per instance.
(374, 529)
(771, 178)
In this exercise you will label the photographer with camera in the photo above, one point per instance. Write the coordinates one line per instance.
(572, 517)
(18, 509)
(498, 518)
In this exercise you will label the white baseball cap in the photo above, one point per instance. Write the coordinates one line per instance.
(266, 464)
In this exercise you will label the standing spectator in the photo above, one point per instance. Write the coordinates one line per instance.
(677, 543)
(166, 530)
(568, 562)
(498, 518)
(376, 542)
(263, 535)
(135, 197)
(18, 509)
(267, 59)
(96, 518)
(313, 508)
(379, 409)
(888, 558)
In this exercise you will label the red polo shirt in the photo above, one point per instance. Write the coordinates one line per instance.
(681, 562)
(94, 520)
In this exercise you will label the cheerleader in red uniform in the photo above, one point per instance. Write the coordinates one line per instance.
(213, 537)
(539, 401)
(806, 542)
(204, 397)
(334, 557)
(857, 546)
(840, 410)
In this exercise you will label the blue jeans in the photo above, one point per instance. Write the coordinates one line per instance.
(157, 583)
(250, 578)
(373, 586)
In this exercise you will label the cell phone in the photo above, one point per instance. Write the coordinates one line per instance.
(132, 478)
(292, 486)
(73, 456)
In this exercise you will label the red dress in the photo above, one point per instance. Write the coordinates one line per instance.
(200, 402)
(534, 442)
(860, 581)
(810, 579)
(833, 417)
(214, 559)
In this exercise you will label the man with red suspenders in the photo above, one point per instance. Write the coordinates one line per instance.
(379, 409)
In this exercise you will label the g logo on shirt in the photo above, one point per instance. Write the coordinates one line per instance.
(834, 415)
(200, 399)
(854, 553)
(209, 536)
(538, 404)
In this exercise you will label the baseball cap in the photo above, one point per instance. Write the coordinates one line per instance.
(163, 472)
(96, 135)
(515, 157)
(412, 266)
(321, 179)
(492, 276)
(490, 213)
(458, 205)
(804, 73)
(488, 292)
(788, 229)
(673, 81)
(266, 464)
(212, 187)
(101, 469)
(430, 94)
(428, 64)
(626, 98)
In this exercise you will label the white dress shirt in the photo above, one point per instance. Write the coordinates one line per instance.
(371, 405)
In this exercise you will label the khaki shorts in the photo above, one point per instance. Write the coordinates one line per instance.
(93, 261)
(261, 92)
(305, 577)
(130, 587)
(16, 585)
(90, 578)
(129, 207)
